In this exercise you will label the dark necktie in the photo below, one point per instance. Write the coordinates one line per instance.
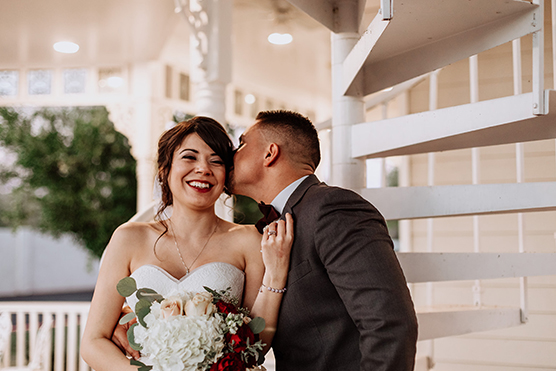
(269, 215)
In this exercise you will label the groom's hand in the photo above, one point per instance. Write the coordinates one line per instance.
(119, 336)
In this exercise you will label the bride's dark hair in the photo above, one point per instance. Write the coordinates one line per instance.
(211, 132)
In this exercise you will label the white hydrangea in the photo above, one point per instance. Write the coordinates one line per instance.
(180, 343)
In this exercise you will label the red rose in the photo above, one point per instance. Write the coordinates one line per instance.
(239, 339)
(230, 362)
(226, 308)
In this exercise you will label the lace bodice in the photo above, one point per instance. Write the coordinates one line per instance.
(215, 275)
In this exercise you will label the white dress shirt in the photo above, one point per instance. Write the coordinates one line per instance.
(280, 200)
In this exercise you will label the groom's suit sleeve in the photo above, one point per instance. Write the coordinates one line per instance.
(352, 241)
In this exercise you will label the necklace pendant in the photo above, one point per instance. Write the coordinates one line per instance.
(187, 271)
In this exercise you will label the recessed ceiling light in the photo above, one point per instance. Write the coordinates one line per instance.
(280, 38)
(66, 47)
(250, 99)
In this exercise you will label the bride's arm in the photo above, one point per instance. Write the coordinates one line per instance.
(276, 257)
(97, 349)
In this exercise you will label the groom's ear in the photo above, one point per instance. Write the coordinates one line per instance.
(272, 154)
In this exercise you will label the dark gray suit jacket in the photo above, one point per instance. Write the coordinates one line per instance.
(347, 306)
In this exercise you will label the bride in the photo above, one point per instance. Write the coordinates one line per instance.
(191, 249)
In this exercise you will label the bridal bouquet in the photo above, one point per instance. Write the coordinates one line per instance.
(192, 331)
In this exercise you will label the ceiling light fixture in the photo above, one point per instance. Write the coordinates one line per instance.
(280, 38)
(250, 99)
(66, 47)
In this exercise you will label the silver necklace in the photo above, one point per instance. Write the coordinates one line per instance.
(187, 271)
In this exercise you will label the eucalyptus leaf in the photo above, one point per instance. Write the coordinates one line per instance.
(131, 338)
(148, 294)
(142, 366)
(126, 287)
(142, 303)
(128, 317)
(257, 325)
(141, 315)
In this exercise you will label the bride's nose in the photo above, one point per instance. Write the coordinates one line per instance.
(203, 167)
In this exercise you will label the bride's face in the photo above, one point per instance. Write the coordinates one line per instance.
(197, 175)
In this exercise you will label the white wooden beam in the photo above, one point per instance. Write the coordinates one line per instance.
(336, 15)
(497, 121)
(436, 201)
(426, 35)
(435, 267)
(441, 322)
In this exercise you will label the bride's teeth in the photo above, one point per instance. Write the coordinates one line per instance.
(199, 185)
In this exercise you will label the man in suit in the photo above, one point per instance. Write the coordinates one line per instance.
(347, 306)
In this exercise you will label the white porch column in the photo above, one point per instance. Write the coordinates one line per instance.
(211, 55)
(346, 111)
(142, 146)
(211, 69)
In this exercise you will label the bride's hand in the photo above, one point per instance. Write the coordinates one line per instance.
(276, 245)
(119, 336)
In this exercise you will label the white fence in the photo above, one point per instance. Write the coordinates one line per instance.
(69, 320)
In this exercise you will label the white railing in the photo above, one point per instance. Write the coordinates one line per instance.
(69, 320)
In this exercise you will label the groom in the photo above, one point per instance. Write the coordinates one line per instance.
(347, 306)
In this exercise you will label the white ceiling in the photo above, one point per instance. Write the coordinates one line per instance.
(108, 31)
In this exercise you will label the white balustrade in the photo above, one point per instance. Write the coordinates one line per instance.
(69, 321)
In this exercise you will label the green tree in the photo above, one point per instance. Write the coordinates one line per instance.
(73, 173)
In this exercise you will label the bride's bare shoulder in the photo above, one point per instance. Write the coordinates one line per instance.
(138, 230)
(243, 235)
(134, 235)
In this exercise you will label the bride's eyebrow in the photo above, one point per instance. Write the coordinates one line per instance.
(188, 149)
(195, 151)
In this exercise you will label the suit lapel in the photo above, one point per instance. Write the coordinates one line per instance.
(297, 195)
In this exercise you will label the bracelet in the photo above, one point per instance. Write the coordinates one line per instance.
(272, 289)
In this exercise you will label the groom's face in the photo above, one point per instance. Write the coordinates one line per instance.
(248, 162)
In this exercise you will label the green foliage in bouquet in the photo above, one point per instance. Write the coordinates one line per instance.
(73, 173)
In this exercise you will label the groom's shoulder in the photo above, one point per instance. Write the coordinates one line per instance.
(324, 192)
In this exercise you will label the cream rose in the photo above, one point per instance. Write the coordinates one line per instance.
(199, 305)
(172, 306)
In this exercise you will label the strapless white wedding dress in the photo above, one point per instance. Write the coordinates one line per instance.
(216, 275)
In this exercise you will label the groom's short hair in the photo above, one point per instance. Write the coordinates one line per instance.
(293, 132)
